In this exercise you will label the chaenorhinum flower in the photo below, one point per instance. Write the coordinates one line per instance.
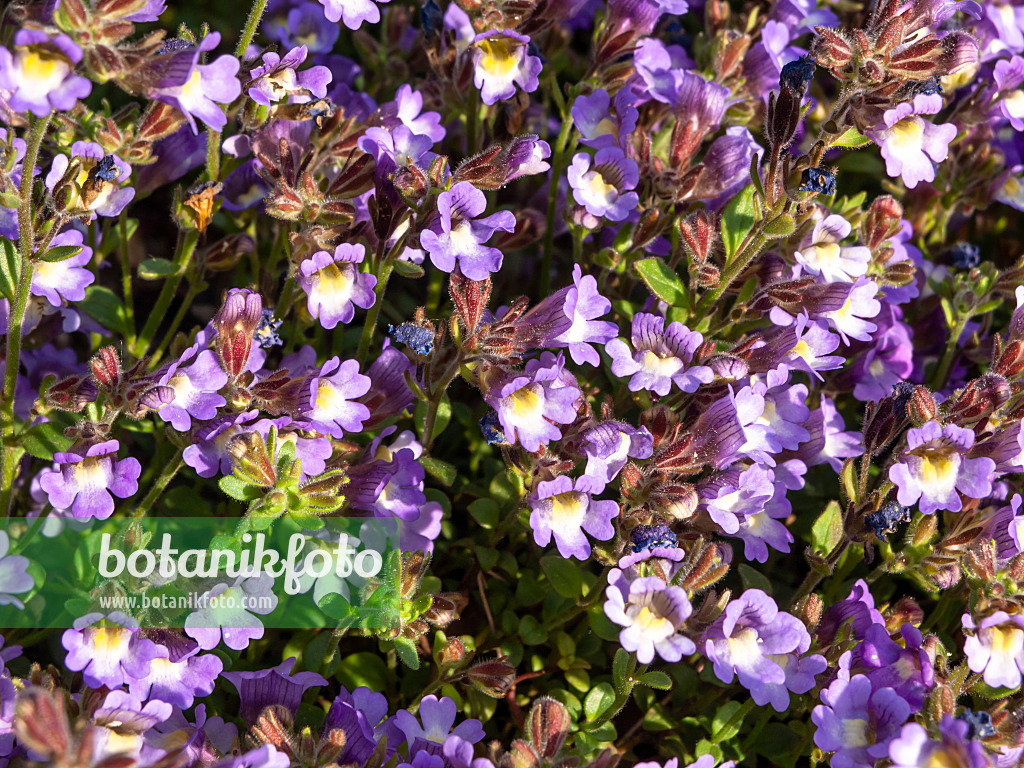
(904, 666)
(603, 184)
(196, 377)
(731, 496)
(652, 613)
(501, 61)
(608, 446)
(823, 255)
(763, 529)
(352, 13)
(229, 612)
(597, 125)
(266, 687)
(40, 74)
(565, 508)
(328, 402)
(857, 722)
(851, 319)
(178, 680)
(88, 477)
(749, 636)
(911, 145)
(531, 404)
(98, 185)
(582, 305)
(438, 716)
(198, 90)
(662, 356)
(302, 24)
(955, 746)
(107, 650)
(334, 284)
(362, 716)
(934, 470)
(278, 79)
(459, 237)
(995, 647)
(1008, 76)
(67, 278)
(14, 575)
(408, 106)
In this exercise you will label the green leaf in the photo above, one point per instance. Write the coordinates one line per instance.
(60, 253)
(662, 281)
(441, 470)
(10, 269)
(236, 488)
(487, 557)
(598, 701)
(407, 652)
(156, 269)
(409, 269)
(103, 306)
(485, 512)
(531, 631)
(782, 225)
(563, 575)
(656, 679)
(827, 530)
(738, 219)
(853, 139)
(444, 415)
(754, 579)
(721, 728)
(43, 440)
(620, 670)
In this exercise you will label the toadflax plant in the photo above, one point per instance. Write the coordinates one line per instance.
(667, 355)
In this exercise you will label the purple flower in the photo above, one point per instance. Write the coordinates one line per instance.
(362, 716)
(40, 74)
(67, 278)
(178, 679)
(278, 79)
(229, 610)
(661, 358)
(933, 470)
(14, 575)
(275, 686)
(501, 61)
(913, 748)
(762, 529)
(107, 650)
(731, 496)
(261, 757)
(906, 667)
(747, 638)
(828, 441)
(858, 608)
(438, 717)
(86, 478)
(457, 236)
(197, 89)
(652, 613)
(597, 126)
(996, 648)
(582, 306)
(530, 405)
(334, 284)
(196, 377)
(208, 453)
(408, 105)
(825, 257)
(609, 445)
(352, 13)
(329, 400)
(857, 722)
(566, 508)
(304, 22)
(911, 145)
(806, 346)
(850, 320)
(103, 193)
(605, 189)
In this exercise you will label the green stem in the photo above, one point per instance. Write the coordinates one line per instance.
(737, 717)
(16, 316)
(193, 291)
(942, 371)
(813, 577)
(557, 161)
(126, 280)
(735, 268)
(168, 473)
(374, 312)
(183, 253)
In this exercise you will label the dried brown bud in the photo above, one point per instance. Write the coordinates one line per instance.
(200, 199)
(699, 232)
(900, 273)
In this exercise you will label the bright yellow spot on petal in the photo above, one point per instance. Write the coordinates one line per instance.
(108, 639)
(333, 285)
(906, 134)
(567, 508)
(1007, 641)
(598, 186)
(653, 625)
(500, 55)
(192, 90)
(42, 70)
(802, 350)
(942, 759)
(606, 127)
(525, 403)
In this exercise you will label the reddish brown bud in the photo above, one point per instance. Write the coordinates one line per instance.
(451, 654)
(921, 407)
(70, 394)
(1011, 360)
(236, 323)
(411, 183)
(495, 677)
(900, 273)
(708, 276)
(548, 726)
(831, 49)
(41, 724)
(881, 221)
(105, 367)
(917, 61)
(782, 118)
(979, 399)
(470, 297)
(699, 232)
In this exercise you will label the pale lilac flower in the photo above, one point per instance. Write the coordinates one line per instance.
(652, 613)
(564, 508)
(352, 13)
(409, 109)
(105, 195)
(334, 284)
(857, 722)
(954, 747)
(107, 650)
(583, 305)
(67, 278)
(458, 236)
(995, 647)
(501, 61)
(274, 686)
(329, 400)
(934, 470)
(608, 446)
(14, 575)
(911, 145)
(662, 358)
(597, 125)
(762, 529)
(196, 378)
(813, 344)
(40, 74)
(851, 319)
(1008, 76)
(198, 90)
(530, 405)
(278, 79)
(730, 496)
(603, 185)
(178, 678)
(825, 257)
(87, 479)
(434, 726)
(229, 611)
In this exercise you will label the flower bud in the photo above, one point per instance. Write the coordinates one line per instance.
(881, 221)
(452, 654)
(699, 232)
(495, 678)
(921, 408)
(548, 726)
(236, 323)
(105, 367)
(72, 393)
(250, 456)
(832, 49)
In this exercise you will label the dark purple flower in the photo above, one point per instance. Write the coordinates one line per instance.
(275, 686)
(437, 716)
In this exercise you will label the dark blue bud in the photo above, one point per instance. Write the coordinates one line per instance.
(106, 170)
(927, 87)
(431, 18)
(420, 340)
(797, 75)
(648, 537)
(979, 724)
(965, 255)
(174, 45)
(820, 180)
(266, 332)
(885, 520)
(491, 428)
